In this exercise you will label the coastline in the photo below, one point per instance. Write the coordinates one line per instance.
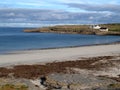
(94, 66)
(58, 54)
(76, 29)
(22, 50)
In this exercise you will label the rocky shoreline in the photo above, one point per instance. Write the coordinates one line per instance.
(94, 73)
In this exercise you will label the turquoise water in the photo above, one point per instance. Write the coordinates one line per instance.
(12, 39)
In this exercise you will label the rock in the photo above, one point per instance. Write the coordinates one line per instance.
(76, 81)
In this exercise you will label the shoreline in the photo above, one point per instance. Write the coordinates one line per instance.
(15, 51)
(58, 55)
(99, 64)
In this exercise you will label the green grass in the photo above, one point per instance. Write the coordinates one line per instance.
(77, 28)
(112, 27)
(13, 87)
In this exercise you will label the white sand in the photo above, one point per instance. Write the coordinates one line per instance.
(62, 54)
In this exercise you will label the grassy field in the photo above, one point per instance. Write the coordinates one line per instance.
(112, 27)
(13, 87)
(77, 28)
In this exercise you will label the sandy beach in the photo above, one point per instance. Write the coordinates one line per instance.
(60, 54)
(88, 67)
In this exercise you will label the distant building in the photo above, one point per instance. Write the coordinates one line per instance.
(96, 27)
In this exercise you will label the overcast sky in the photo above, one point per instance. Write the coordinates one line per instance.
(43, 12)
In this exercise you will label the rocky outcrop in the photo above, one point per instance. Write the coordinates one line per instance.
(76, 82)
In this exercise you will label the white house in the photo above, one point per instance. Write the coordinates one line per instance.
(96, 27)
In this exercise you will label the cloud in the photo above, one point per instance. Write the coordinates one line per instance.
(33, 15)
(96, 7)
(27, 17)
(30, 4)
(89, 1)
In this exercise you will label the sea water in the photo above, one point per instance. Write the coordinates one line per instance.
(14, 39)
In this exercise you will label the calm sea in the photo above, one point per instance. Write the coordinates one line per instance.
(12, 39)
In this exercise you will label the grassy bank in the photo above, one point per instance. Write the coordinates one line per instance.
(114, 29)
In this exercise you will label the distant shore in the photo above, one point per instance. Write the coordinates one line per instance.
(59, 54)
(77, 29)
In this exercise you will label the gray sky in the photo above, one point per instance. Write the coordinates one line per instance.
(39, 12)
